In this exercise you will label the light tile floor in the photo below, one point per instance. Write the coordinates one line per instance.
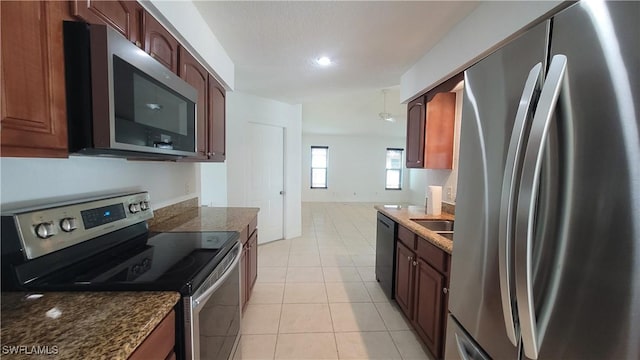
(316, 296)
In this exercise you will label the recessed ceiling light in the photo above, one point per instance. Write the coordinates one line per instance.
(323, 61)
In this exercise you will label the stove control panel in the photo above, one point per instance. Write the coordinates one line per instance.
(48, 229)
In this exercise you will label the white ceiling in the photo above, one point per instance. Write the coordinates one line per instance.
(356, 114)
(273, 44)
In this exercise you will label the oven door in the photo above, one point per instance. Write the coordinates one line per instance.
(212, 313)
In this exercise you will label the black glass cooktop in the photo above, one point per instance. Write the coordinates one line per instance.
(163, 261)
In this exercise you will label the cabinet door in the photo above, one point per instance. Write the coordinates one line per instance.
(217, 120)
(33, 114)
(404, 278)
(253, 260)
(197, 76)
(429, 303)
(160, 343)
(159, 43)
(415, 133)
(438, 143)
(244, 270)
(124, 16)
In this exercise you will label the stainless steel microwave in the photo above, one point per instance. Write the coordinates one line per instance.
(121, 101)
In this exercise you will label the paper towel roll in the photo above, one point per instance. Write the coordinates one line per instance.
(434, 200)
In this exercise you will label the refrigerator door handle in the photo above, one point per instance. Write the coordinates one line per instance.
(526, 206)
(512, 169)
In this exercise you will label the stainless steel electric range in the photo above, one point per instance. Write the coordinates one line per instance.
(103, 244)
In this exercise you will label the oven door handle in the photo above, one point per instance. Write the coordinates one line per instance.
(201, 300)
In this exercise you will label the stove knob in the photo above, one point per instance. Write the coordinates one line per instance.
(68, 224)
(134, 208)
(136, 269)
(144, 205)
(45, 230)
(146, 263)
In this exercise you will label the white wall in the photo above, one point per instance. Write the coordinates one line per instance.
(29, 180)
(243, 109)
(213, 184)
(356, 169)
(485, 29)
(421, 179)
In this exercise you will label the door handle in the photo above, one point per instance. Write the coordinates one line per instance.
(512, 168)
(532, 164)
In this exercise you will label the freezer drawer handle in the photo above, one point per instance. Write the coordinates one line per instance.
(467, 350)
(513, 166)
(526, 208)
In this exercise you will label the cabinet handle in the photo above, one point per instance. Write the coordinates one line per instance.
(445, 290)
(409, 258)
(419, 104)
(418, 161)
(415, 263)
(138, 44)
(209, 154)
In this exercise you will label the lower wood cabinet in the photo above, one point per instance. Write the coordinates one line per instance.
(160, 343)
(405, 274)
(421, 288)
(248, 261)
(429, 311)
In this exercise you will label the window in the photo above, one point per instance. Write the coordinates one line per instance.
(394, 169)
(319, 167)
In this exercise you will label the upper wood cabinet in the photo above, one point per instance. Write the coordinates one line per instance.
(430, 131)
(217, 121)
(124, 16)
(159, 43)
(210, 142)
(197, 76)
(34, 116)
(430, 127)
(415, 133)
(438, 138)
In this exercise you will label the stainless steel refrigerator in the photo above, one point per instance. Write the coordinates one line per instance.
(546, 254)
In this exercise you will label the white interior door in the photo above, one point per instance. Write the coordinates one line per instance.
(266, 183)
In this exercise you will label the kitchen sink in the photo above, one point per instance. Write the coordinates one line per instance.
(435, 225)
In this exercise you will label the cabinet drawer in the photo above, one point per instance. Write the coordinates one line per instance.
(407, 237)
(433, 255)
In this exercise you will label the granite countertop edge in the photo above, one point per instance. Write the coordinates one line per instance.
(203, 218)
(403, 214)
(77, 325)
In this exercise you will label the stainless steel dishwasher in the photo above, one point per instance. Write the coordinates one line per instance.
(386, 232)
